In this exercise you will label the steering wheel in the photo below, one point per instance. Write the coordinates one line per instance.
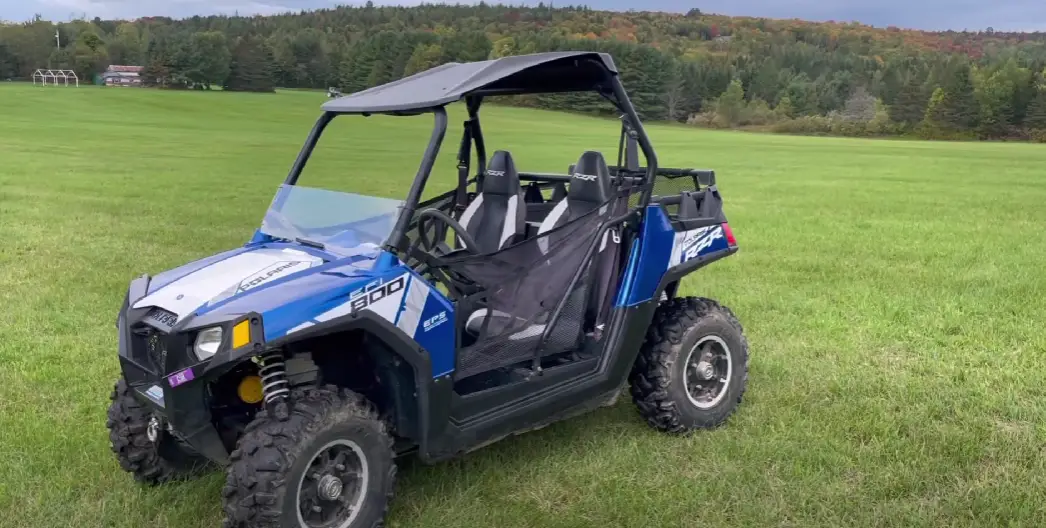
(432, 245)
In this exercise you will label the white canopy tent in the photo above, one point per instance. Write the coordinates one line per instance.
(55, 76)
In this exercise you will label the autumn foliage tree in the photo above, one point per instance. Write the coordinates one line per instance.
(673, 65)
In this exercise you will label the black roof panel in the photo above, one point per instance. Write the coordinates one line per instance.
(563, 71)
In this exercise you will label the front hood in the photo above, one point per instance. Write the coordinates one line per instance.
(212, 281)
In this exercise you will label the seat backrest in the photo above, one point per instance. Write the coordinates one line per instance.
(589, 188)
(496, 218)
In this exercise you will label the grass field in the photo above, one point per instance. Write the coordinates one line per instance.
(893, 294)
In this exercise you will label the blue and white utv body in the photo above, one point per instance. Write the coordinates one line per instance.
(353, 329)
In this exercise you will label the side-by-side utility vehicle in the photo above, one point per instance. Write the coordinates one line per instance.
(351, 330)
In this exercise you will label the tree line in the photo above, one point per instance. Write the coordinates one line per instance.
(705, 69)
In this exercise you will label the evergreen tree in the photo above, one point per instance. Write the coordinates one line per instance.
(157, 71)
(731, 104)
(357, 73)
(802, 94)
(910, 106)
(383, 67)
(8, 66)
(935, 111)
(1036, 118)
(784, 108)
(252, 67)
(210, 59)
(996, 99)
(959, 108)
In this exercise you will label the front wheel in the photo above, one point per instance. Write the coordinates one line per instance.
(322, 460)
(142, 446)
(692, 370)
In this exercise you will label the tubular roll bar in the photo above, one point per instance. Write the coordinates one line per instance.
(398, 237)
(551, 177)
(704, 176)
(306, 149)
(616, 95)
(644, 141)
(536, 364)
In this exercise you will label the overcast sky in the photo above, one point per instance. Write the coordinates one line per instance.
(1019, 15)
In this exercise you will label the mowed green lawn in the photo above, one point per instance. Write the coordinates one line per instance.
(893, 294)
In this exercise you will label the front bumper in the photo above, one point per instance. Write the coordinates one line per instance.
(163, 373)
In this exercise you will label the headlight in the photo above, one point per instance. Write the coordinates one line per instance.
(207, 343)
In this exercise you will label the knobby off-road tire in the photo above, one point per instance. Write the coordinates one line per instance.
(150, 462)
(270, 462)
(657, 378)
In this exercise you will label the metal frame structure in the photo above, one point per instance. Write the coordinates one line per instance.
(44, 73)
(430, 91)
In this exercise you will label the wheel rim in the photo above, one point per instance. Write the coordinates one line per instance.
(333, 486)
(709, 368)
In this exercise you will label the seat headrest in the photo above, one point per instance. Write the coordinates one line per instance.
(590, 181)
(501, 176)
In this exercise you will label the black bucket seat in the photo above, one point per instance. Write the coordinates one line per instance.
(496, 218)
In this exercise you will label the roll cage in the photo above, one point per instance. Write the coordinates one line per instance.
(430, 91)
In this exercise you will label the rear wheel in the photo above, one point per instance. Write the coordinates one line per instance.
(693, 368)
(322, 460)
(142, 445)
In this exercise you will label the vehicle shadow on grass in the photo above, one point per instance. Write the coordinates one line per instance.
(483, 475)
(512, 465)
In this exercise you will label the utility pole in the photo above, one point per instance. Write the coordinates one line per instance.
(58, 38)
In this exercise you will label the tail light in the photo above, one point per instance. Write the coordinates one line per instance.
(729, 235)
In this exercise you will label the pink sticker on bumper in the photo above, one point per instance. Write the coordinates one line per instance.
(178, 378)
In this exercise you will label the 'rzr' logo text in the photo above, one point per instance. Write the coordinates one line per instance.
(702, 243)
(495, 173)
(374, 292)
(585, 177)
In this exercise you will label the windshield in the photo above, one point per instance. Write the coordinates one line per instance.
(338, 220)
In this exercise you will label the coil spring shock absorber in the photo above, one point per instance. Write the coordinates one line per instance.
(273, 374)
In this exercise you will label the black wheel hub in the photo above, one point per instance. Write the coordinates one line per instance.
(333, 486)
(708, 370)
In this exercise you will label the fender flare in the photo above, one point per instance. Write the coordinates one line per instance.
(673, 276)
(399, 344)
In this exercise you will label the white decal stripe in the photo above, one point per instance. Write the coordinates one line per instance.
(197, 288)
(470, 211)
(549, 223)
(337, 311)
(509, 227)
(417, 296)
(677, 249)
(386, 308)
(685, 241)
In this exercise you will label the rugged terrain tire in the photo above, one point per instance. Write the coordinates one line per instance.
(276, 461)
(659, 377)
(150, 462)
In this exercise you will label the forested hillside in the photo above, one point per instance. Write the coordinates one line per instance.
(785, 75)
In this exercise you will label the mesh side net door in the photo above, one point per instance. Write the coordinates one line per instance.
(519, 288)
